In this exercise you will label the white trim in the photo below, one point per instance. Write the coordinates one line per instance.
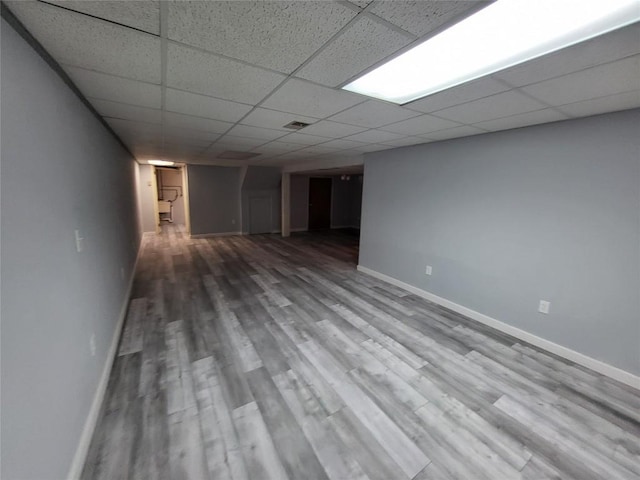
(577, 357)
(221, 234)
(82, 449)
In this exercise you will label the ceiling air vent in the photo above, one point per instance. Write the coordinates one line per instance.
(235, 155)
(296, 125)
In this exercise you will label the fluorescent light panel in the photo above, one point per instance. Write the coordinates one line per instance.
(161, 163)
(505, 33)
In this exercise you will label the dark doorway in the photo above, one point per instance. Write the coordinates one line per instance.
(319, 203)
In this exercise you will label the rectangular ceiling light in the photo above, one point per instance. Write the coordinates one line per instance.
(505, 33)
(161, 163)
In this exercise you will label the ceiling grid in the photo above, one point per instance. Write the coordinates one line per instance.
(187, 81)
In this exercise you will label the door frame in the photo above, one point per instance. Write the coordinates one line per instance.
(185, 197)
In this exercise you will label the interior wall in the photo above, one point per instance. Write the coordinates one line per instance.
(61, 171)
(263, 182)
(299, 202)
(214, 199)
(506, 219)
(172, 183)
(146, 198)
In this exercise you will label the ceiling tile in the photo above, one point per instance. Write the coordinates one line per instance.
(262, 117)
(490, 108)
(140, 14)
(374, 136)
(361, 3)
(187, 142)
(82, 41)
(377, 147)
(195, 123)
(232, 142)
(615, 77)
(256, 132)
(420, 125)
(201, 72)
(455, 132)
(203, 106)
(129, 131)
(404, 141)
(329, 129)
(611, 103)
(603, 49)
(420, 17)
(522, 120)
(343, 144)
(297, 96)
(278, 35)
(139, 139)
(125, 111)
(304, 139)
(298, 155)
(319, 150)
(374, 114)
(277, 147)
(117, 89)
(483, 87)
(170, 131)
(364, 43)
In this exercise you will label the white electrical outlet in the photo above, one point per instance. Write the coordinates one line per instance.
(233, 222)
(79, 241)
(544, 306)
(428, 270)
(122, 273)
(92, 344)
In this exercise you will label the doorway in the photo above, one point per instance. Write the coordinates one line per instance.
(319, 203)
(170, 195)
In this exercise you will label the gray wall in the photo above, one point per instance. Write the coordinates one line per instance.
(506, 219)
(214, 199)
(299, 202)
(146, 198)
(262, 182)
(61, 171)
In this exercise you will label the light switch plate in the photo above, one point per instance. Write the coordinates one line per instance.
(544, 306)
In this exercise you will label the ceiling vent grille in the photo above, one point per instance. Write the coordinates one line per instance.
(296, 125)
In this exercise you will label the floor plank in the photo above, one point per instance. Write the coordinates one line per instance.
(258, 357)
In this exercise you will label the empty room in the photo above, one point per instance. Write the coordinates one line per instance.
(314, 239)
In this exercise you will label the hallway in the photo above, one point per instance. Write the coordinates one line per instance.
(255, 357)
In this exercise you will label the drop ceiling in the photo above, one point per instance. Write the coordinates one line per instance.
(190, 80)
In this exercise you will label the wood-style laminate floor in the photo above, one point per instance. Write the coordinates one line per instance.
(258, 357)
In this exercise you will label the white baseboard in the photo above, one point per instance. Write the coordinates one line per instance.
(210, 235)
(80, 456)
(303, 229)
(577, 357)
